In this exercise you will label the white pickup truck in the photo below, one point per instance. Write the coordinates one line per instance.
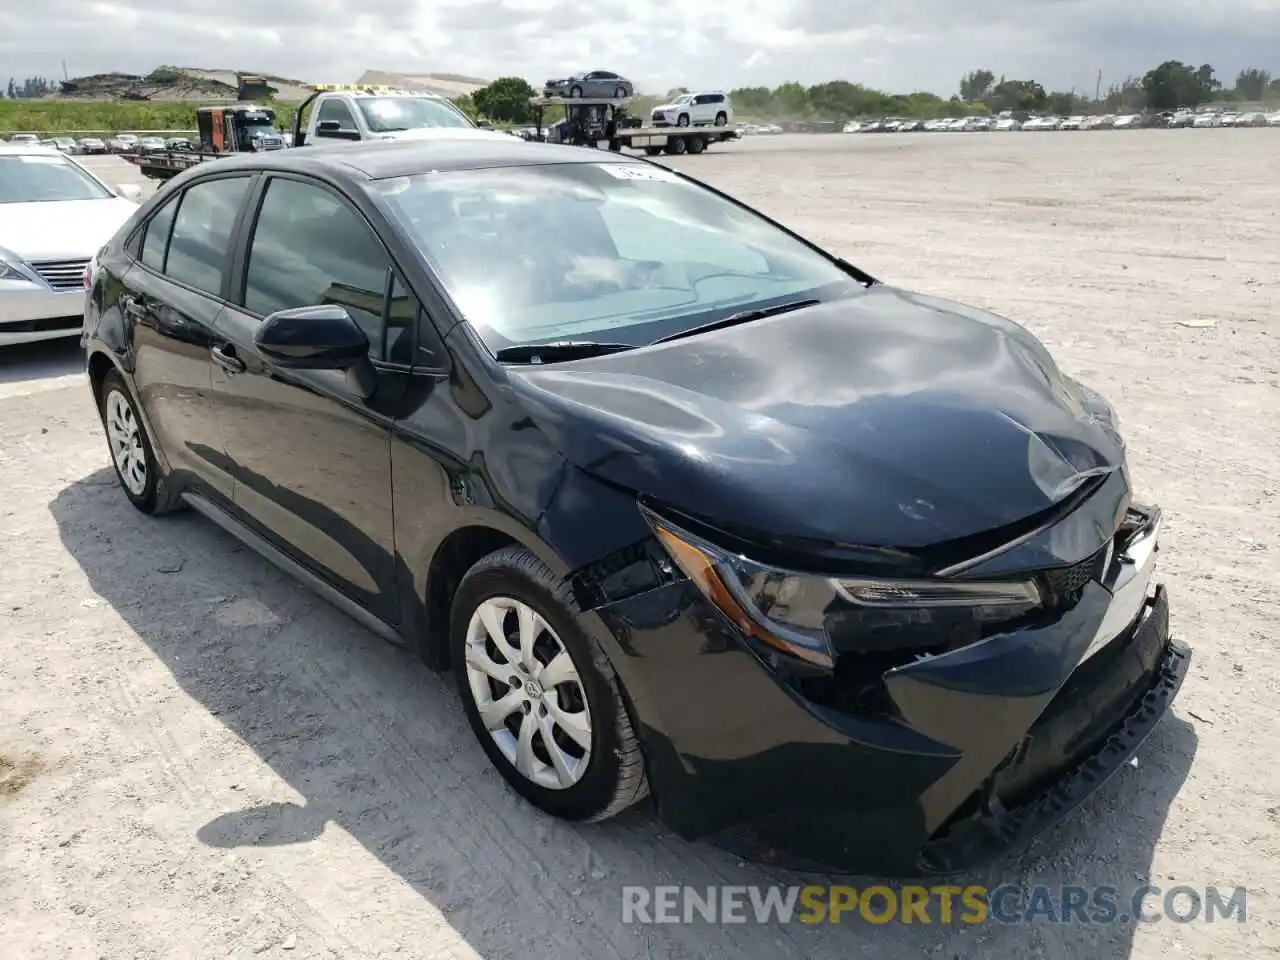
(335, 113)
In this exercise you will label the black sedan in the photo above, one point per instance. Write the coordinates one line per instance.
(689, 505)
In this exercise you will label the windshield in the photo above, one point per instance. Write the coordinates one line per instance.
(625, 252)
(389, 114)
(32, 178)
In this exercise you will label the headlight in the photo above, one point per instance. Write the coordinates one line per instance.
(11, 267)
(816, 618)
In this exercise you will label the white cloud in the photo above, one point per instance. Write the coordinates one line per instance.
(907, 45)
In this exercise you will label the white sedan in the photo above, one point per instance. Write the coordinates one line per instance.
(54, 216)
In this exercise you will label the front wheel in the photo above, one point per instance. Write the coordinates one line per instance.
(620, 93)
(539, 693)
(682, 120)
(575, 91)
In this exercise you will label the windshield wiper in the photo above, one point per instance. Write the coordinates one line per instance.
(742, 316)
(557, 350)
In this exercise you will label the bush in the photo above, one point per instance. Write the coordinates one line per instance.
(58, 116)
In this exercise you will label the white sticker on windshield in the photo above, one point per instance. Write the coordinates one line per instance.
(638, 171)
(36, 158)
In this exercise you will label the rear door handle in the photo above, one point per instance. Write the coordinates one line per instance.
(225, 357)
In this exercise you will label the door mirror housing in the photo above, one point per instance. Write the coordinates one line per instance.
(312, 338)
(129, 191)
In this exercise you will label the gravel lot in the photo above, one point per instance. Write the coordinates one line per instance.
(200, 759)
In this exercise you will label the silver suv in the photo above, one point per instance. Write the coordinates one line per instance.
(709, 108)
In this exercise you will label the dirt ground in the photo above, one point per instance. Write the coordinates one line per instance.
(199, 759)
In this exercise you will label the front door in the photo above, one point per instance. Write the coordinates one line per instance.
(310, 454)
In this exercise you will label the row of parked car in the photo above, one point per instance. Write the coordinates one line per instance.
(1018, 121)
(120, 143)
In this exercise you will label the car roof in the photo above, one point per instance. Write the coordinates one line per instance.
(436, 150)
(27, 149)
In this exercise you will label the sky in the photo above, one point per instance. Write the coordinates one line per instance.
(896, 46)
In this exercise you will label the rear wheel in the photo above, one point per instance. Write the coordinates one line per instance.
(653, 151)
(697, 144)
(721, 119)
(575, 91)
(676, 146)
(539, 693)
(132, 453)
(620, 92)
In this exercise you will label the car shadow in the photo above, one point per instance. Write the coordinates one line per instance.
(375, 744)
(45, 360)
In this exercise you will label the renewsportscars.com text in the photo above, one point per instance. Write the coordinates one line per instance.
(878, 904)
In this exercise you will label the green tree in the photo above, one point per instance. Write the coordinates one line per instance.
(1176, 84)
(1252, 84)
(466, 104)
(676, 92)
(506, 100)
(792, 100)
(1016, 95)
(753, 101)
(975, 86)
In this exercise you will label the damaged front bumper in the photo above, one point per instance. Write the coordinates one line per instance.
(980, 749)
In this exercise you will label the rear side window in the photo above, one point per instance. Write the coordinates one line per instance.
(155, 239)
(336, 110)
(310, 247)
(201, 243)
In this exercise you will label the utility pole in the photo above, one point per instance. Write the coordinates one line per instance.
(65, 75)
(1097, 90)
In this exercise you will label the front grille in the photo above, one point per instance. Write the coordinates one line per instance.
(1065, 583)
(62, 274)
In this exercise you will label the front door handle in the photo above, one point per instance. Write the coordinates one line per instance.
(225, 357)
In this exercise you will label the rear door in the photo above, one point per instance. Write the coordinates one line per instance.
(171, 299)
(310, 454)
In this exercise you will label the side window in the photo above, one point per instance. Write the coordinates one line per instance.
(310, 247)
(337, 110)
(200, 246)
(155, 236)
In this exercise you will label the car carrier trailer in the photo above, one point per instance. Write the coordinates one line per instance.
(605, 124)
(224, 130)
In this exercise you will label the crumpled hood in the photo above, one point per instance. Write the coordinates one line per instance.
(887, 419)
(61, 229)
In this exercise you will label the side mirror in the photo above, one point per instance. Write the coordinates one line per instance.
(129, 191)
(312, 338)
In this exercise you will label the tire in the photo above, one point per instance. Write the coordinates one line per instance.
(151, 493)
(620, 92)
(676, 146)
(682, 120)
(697, 144)
(575, 91)
(722, 120)
(590, 784)
(653, 151)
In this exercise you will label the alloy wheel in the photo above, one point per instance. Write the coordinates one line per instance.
(528, 692)
(125, 435)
